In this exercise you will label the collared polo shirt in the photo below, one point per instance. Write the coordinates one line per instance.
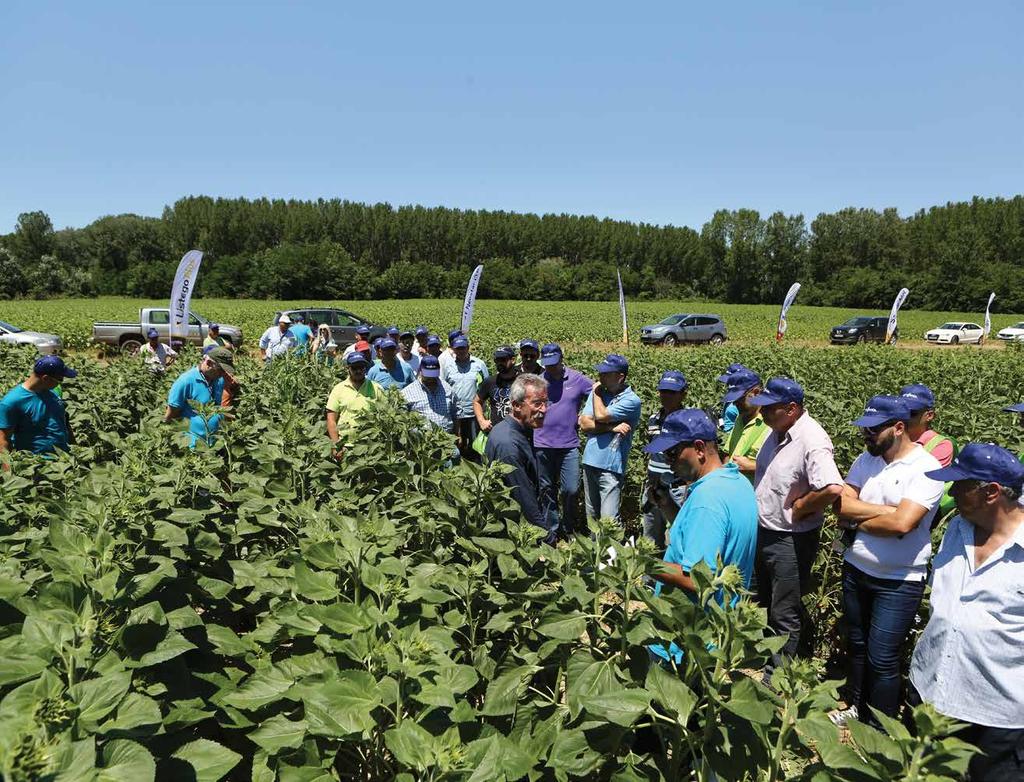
(609, 450)
(565, 399)
(788, 467)
(413, 360)
(888, 483)
(437, 405)
(36, 419)
(746, 439)
(967, 663)
(463, 379)
(347, 401)
(276, 343)
(156, 358)
(192, 386)
(399, 376)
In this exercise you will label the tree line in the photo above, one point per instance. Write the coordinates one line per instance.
(950, 256)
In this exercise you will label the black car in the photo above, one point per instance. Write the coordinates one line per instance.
(863, 328)
(342, 322)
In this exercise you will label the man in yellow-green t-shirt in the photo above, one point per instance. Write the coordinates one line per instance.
(349, 397)
(750, 431)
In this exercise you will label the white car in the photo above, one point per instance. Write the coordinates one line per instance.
(44, 343)
(1012, 333)
(955, 333)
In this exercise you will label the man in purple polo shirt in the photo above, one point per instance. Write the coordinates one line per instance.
(558, 441)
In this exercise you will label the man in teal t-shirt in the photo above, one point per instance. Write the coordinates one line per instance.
(718, 518)
(32, 417)
(203, 384)
(303, 334)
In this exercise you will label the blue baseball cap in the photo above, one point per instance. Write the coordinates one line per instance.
(377, 341)
(724, 377)
(882, 409)
(453, 334)
(983, 462)
(430, 366)
(421, 331)
(356, 357)
(739, 383)
(504, 351)
(53, 366)
(1017, 408)
(528, 343)
(918, 397)
(405, 334)
(299, 317)
(460, 342)
(214, 327)
(683, 426)
(550, 354)
(433, 339)
(779, 390)
(387, 344)
(613, 362)
(672, 380)
(393, 331)
(152, 333)
(362, 329)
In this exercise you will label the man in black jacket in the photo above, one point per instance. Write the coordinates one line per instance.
(511, 442)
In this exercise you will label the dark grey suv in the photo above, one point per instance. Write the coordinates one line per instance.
(676, 329)
(342, 322)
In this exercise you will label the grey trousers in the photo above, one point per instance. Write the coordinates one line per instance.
(782, 576)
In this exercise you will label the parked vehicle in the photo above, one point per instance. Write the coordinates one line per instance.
(863, 328)
(956, 332)
(129, 337)
(44, 343)
(342, 322)
(676, 329)
(1012, 333)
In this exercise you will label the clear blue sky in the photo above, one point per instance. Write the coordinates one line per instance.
(661, 112)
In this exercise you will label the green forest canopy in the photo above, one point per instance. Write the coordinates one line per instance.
(951, 256)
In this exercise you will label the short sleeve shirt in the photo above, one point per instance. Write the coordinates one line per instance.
(192, 386)
(790, 466)
(413, 361)
(276, 343)
(399, 376)
(880, 483)
(437, 405)
(943, 450)
(36, 420)
(746, 439)
(347, 401)
(463, 379)
(609, 450)
(156, 358)
(497, 391)
(565, 398)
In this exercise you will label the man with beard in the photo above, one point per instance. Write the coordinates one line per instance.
(529, 353)
(749, 431)
(888, 501)
(511, 442)
(719, 517)
(967, 663)
(495, 390)
(389, 371)
(407, 351)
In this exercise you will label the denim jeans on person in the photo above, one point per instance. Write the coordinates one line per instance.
(562, 467)
(879, 613)
(602, 492)
(782, 576)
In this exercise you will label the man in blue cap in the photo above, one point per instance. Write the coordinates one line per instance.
(888, 501)
(448, 354)
(302, 332)
(204, 384)
(434, 346)
(362, 335)
(421, 334)
(719, 517)
(749, 430)
(32, 417)
(214, 339)
(495, 390)
(464, 372)
(608, 420)
(389, 371)
(356, 392)
(407, 351)
(967, 663)
(661, 497)
(431, 397)
(795, 479)
(157, 355)
(558, 441)
(921, 401)
(529, 352)
(730, 411)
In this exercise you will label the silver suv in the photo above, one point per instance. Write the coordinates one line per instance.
(676, 329)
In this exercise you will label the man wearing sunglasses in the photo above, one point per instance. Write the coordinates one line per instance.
(719, 516)
(889, 501)
(967, 663)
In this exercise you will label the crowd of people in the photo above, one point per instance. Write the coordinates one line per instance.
(749, 489)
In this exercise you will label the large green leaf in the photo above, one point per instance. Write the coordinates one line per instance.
(342, 705)
(671, 692)
(209, 760)
(564, 627)
(411, 745)
(622, 707)
(126, 761)
(279, 732)
(263, 687)
(96, 698)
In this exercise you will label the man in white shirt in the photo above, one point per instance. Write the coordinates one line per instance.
(157, 355)
(277, 340)
(968, 661)
(887, 503)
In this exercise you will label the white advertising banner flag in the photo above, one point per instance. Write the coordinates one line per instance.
(622, 307)
(181, 292)
(900, 298)
(988, 319)
(470, 301)
(786, 304)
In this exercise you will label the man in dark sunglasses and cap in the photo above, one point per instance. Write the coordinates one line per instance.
(32, 417)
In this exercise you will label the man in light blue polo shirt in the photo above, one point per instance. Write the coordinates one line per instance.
(302, 333)
(608, 419)
(719, 516)
(389, 371)
(464, 373)
(203, 384)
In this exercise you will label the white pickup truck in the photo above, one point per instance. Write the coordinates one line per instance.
(129, 337)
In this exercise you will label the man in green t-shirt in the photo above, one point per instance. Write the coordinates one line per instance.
(750, 431)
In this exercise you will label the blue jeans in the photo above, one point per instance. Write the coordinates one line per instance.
(602, 491)
(879, 613)
(562, 468)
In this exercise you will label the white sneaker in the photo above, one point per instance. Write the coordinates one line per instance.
(843, 716)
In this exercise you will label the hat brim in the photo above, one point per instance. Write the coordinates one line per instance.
(224, 365)
(550, 361)
(951, 473)
(609, 368)
(1017, 408)
(735, 394)
(67, 373)
(430, 372)
(671, 387)
(723, 378)
(663, 442)
(867, 421)
(764, 399)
